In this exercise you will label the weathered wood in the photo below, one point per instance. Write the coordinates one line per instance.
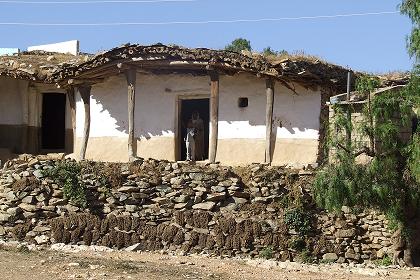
(131, 91)
(72, 103)
(269, 119)
(214, 114)
(85, 94)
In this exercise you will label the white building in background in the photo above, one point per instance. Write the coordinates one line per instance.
(71, 47)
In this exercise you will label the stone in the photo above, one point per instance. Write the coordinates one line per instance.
(41, 239)
(38, 173)
(4, 217)
(218, 189)
(27, 207)
(131, 208)
(2, 231)
(128, 189)
(41, 229)
(57, 201)
(216, 197)
(133, 248)
(346, 209)
(72, 208)
(208, 206)
(330, 257)
(14, 211)
(181, 199)
(28, 199)
(40, 197)
(239, 200)
(345, 233)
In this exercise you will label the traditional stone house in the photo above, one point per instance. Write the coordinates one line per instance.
(133, 101)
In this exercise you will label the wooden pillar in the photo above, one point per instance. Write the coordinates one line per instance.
(214, 114)
(269, 91)
(85, 94)
(130, 74)
(72, 103)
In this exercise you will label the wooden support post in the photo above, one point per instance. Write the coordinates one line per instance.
(214, 114)
(269, 91)
(72, 103)
(85, 94)
(130, 74)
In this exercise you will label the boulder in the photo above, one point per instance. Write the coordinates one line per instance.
(208, 206)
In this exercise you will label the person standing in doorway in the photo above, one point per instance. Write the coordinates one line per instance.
(198, 125)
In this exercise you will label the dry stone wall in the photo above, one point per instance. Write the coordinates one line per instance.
(160, 205)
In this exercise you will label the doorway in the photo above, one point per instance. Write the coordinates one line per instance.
(187, 108)
(53, 121)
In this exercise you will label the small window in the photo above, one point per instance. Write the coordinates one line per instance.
(243, 102)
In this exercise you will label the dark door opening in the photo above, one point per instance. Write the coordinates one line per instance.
(53, 121)
(202, 107)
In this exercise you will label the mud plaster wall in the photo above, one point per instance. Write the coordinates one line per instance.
(241, 130)
(21, 113)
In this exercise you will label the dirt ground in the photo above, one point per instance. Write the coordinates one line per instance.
(47, 264)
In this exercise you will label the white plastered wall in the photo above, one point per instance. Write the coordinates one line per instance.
(241, 130)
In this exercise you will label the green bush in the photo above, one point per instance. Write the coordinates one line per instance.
(267, 253)
(67, 175)
(298, 220)
(297, 244)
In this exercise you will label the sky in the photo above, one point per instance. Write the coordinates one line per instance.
(374, 43)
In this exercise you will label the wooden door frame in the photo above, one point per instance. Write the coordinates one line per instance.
(178, 110)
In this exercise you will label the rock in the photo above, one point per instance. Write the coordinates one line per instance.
(131, 208)
(239, 200)
(345, 233)
(27, 207)
(128, 189)
(72, 208)
(208, 206)
(346, 209)
(4, 217)
(330, 257)
(215, 197)
(57, 201)
(133, 248)
(41, 229)
(38, 173)
(218, 189)
(181, 199)
(2, 231)
(14, 211)
(41, 239)
(40, 197)
(28, 199)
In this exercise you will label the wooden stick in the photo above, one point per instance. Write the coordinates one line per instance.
(214, 114)
(131, 91)
(85, 94)
(269, 91)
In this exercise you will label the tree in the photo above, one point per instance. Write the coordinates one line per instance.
(239, 45)
(269, 51)
(390, 180)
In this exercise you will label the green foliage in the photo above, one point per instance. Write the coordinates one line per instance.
(389, 180)
(411, 8)
(297, 244)
(67, 175)
(385, 261)
(267, 253)
(239, 45)
(306, 257)
(298, 220)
